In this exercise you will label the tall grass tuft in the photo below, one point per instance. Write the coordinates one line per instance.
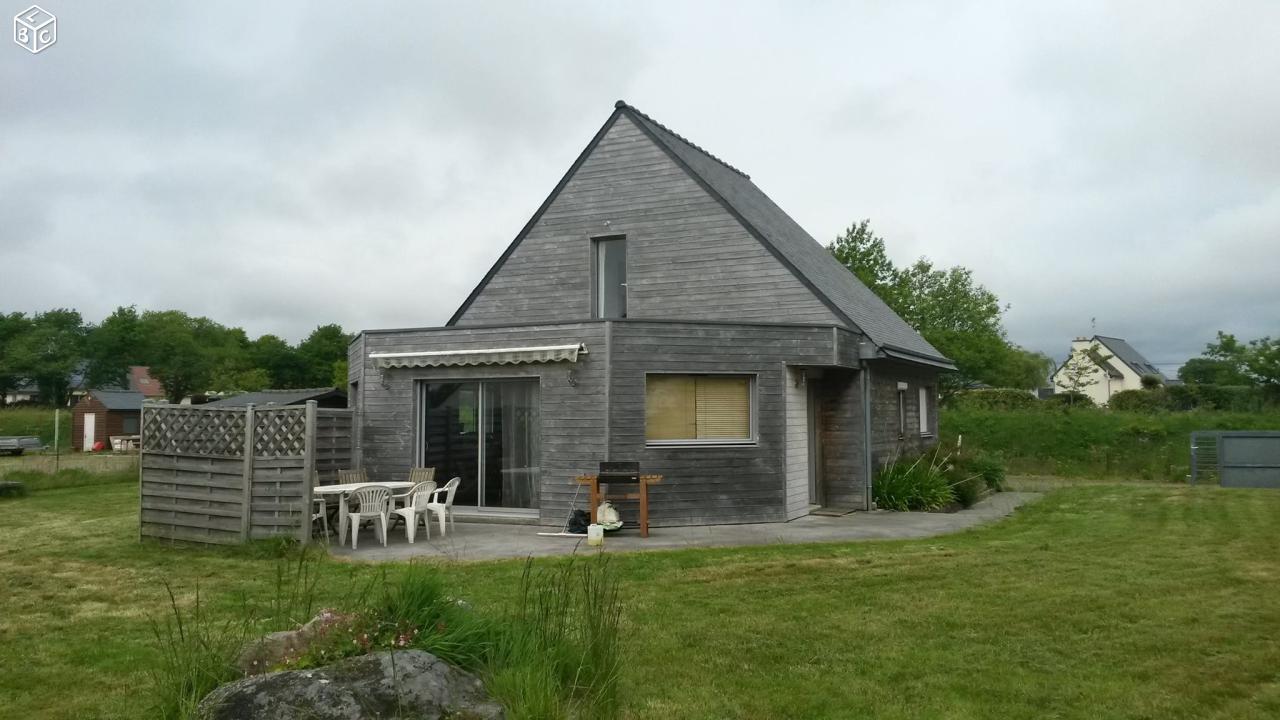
(197, 654)
(560, 655)
(919, 484)
(554, 655)
(445, 626)
(294, 600)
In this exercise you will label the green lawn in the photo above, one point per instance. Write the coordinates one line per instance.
(1098, 601)
(36, 421)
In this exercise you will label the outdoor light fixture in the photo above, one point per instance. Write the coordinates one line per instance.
(572, 377)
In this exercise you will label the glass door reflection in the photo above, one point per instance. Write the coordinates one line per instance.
(488, 433)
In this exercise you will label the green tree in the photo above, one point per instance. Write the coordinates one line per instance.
(50, 352)
(227, 352)
(1207, 371)
(339, 378)
(112, 347)
(1082, 371)
(279, 359)
(863, 252)
(954, 312)
(12, 327)
(1262, 362)
(1230, 357)
(1227, 361)
(174, 353)
(325, 345)
(1016, 367)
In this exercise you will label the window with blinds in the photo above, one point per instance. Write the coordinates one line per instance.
(697, 408)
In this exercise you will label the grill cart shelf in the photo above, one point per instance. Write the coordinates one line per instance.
(621, 474)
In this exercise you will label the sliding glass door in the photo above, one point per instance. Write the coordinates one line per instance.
(488, 433)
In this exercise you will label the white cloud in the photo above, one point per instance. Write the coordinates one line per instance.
(283, 166)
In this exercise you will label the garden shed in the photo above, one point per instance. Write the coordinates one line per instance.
(103, 414)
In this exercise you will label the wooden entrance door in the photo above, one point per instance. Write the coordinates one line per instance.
(90, 431)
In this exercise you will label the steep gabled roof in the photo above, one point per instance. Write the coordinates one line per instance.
(1125, 353)
(796, 249)
(140, 380)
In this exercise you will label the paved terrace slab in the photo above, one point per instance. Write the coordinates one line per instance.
(488, 541)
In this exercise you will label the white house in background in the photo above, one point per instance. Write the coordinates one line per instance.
(1114, 364)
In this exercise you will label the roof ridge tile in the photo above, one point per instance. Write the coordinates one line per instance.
(622, 104)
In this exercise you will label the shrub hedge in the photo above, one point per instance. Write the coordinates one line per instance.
(1090, 442)
(993, 399)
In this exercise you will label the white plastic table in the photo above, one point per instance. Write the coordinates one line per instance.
(342, 491)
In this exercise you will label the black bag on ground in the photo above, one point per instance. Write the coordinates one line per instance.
(578, 522)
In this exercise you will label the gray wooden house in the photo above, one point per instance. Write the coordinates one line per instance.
(658, 307)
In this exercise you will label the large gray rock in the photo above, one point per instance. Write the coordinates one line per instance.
(410, 684)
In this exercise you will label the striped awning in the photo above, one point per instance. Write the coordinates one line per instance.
(495, 356)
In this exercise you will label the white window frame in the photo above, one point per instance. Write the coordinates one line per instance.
(753, 382)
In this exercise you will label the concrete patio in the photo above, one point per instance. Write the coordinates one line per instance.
(489, 541)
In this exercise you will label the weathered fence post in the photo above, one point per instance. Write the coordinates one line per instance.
(142, 460)
(246, 507)
(308, 471)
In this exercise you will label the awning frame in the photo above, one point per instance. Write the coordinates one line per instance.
(482, 356)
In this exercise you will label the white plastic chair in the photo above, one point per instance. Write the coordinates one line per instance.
(417, 476)
(320, 511)
(444, 509)
(415, 508)
(372, 502)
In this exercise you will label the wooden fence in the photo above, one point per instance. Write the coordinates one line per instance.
(225, 476)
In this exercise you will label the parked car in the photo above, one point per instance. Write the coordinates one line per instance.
(18, 444)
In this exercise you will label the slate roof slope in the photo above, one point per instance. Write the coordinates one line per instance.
(118, 399)
(1125, 353)
(276, 397)
(811, 262)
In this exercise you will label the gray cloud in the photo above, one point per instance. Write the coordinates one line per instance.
(286, 165)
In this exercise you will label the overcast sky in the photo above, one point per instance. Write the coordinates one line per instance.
(281, 165)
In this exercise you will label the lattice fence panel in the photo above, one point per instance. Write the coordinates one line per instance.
(280, 432)
(193, 431)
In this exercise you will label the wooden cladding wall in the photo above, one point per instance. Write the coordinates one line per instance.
(225, 476)
(335, 443)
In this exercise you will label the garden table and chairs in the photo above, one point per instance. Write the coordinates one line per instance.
(350, 483)
(358, 501)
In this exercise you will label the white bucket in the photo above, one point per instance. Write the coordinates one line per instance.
(595, 534)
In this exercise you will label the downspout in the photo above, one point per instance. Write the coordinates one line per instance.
(608, 389)
(866, 351)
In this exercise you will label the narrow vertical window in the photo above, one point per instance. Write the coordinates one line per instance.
(902, 410)
(611, 277)
(924, 411)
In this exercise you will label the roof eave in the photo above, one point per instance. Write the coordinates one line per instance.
(895, 353)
